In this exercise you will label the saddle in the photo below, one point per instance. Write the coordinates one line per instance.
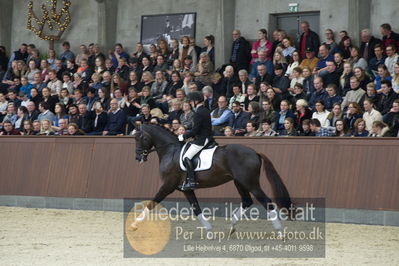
(201, 161)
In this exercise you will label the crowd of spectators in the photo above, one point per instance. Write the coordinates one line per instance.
(268, 88)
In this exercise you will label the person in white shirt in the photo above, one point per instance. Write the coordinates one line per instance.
(321, 114)
(392, 58)
(370, 115)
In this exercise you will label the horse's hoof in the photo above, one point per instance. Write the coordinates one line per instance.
(232, 230)
(134, 227)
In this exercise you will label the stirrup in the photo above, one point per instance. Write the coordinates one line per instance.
(188, 186)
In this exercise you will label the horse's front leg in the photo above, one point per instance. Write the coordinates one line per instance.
(163, 192)
(192, 199)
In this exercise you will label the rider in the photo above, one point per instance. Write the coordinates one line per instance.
(202, 134)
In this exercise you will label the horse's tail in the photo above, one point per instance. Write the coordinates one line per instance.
(281, 195)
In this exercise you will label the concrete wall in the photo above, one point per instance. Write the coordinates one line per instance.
(83, 28)
(110, 21)
(386, 11)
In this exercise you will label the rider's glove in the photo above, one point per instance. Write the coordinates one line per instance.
(181, 138)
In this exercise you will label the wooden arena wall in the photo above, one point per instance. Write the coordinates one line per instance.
(359, 173)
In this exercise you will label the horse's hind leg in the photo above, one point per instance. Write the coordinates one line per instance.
(192, 199)
(246, 202)
(268, 205)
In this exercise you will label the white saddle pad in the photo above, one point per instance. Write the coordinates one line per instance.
(204, 159)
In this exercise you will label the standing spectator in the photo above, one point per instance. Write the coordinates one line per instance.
(67, 54)
(370, 114)
(330, 40)
(389, 37)
(309, 39)
(369, 42)
(241, 52)
(288, 49)
(392, 57)
(116, 120)
(262, 44)
(319, 131)
(209, 42)
(187, 50)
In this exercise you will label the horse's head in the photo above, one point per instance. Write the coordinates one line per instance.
(143, 144)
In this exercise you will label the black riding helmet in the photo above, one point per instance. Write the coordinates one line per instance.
(196, 96)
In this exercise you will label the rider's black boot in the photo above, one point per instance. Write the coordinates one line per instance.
(191, 182)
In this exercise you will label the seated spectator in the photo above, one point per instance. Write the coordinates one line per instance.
(392, 118)
(73, 130)
(296, 60)
(263, 76)
(288, 49)
(302, 113)
(204, 70)
(356, 60)
(251, 96)
(296, 77)
(392, 57)
(374, 62)
(353, 113)
(280, 82)
(332, 97)
(321, 114)
(68, 84)
(341, 129)
(123, 69)
(209, 42)
(324, 55)
(266, 129)
(54, 84)
(339, 63)
(175, 84)
(354, 95)
(237, 96)
(250, 129)
(78, 97)
(344, 47)
(104, 98)
(308, 82)
(395, 78)
(99, 119)
(330, 41)
(228, 81)
(176, 110)
(45, 113)
(267, 112)
(117, 54)
(186, 118)
(46, 129)
(8, 129)
(187, 50)
(118, 83)
(238, 121)
(344, 81)
(220, 117)
(135, 82)
(331, 76)
(371, 94)
(60, 113)
(261, 60)
(27, 129)
(25, 87)
(12, 98)
(319, 94)
(370, 114)
(85, 121)
(22, 114)
(36, 127)
(285, 112)
(306, 132)
(319, 131)
(159, 86)
(289, 128)
(210, 98)
(146, 97)
(228, 132)
(335, 114)
(32, 112)
(254, 112)
(174, 126)
(147, 79)
(387, 97)
(116, 120)
(62, 128)
(363, 78)
(379, 129)
(36, 98)
(310, 61)
(382, 74)
(145, 114)
(279, 59)
(160, 65)
(360, 128)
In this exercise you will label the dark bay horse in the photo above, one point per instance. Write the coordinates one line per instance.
(231, 162)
